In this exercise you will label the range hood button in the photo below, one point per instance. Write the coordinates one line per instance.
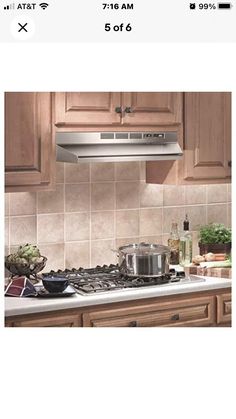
(158, 135)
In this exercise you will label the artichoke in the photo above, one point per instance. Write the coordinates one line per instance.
(28, 251)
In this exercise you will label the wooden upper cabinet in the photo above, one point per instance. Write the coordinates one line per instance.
(95, 109)
(207, 136)
(86, 108)
(149, 108)
(207, 143)
(29, 147)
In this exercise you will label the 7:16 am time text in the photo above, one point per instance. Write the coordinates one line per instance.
(117, 6)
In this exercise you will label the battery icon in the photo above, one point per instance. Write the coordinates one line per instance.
(224, 6)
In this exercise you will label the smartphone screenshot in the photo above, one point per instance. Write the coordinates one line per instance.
(117, 156)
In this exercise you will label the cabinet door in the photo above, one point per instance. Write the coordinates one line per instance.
(49, 321)
(190, 312)
(207, 144)
(87, 108)
(224, 308)
(29, 149)
(207, 136)
(149, 108)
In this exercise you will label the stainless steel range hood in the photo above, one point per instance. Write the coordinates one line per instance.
(77, 147)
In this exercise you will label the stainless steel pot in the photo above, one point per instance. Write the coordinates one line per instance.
(144, 259)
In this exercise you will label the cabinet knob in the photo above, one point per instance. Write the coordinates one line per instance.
(229, 163)
(175, 317)
(128, 109)
(118, 109)
(133, 324)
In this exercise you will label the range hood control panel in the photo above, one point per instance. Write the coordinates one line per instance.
(145, 137)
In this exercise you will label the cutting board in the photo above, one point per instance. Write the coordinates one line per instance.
(214, 272)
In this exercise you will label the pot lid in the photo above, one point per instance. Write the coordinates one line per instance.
(144, 249)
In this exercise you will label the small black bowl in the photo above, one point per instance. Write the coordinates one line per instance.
(55, 284)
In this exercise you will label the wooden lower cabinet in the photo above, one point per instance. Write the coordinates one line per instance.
(197, 312)
(200, 309)
(56, 319)
(224, 308)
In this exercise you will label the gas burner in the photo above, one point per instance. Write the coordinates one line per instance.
(109, 278)
(156, 280)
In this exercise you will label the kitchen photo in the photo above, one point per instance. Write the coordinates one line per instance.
(117, 209)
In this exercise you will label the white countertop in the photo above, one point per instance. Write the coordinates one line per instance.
(19, 306)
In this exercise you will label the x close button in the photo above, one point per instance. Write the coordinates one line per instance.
(22, 28)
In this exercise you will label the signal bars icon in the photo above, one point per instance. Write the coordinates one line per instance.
(44, 5)
(10, 6)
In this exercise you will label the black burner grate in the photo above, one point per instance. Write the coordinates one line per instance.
(109, 278)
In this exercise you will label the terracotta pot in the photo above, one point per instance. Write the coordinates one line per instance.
(214, 248)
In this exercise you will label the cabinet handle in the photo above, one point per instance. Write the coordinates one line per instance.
(118, 109)
(229, 163)
(175, 317)
(133, 324)
(128, 109)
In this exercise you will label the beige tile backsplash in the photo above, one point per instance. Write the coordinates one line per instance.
(102, 224)
(217, 193)
(127, 195)
(151, 195)
(77, 226)
(23, 228)
(102, 196)
(127, 223)
(102, 172)
(217, 213)
(22, 204)
(77, 174)
(50, 228)
(127, 171)
(99, 207)
(51, 201)
(77, 197)
(173, 195)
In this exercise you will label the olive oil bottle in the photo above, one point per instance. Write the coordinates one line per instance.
(185, 247)
(173, 244)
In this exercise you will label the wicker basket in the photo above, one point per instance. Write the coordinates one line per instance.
(214, 248)
(27, 269)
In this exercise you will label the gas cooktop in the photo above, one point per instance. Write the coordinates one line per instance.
(109, 278)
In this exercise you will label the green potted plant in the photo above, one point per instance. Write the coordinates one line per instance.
(215, 238)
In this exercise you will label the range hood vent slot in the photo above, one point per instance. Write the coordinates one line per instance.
(107, 136)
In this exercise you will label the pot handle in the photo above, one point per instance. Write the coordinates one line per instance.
(118, 253)
(115, 251)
